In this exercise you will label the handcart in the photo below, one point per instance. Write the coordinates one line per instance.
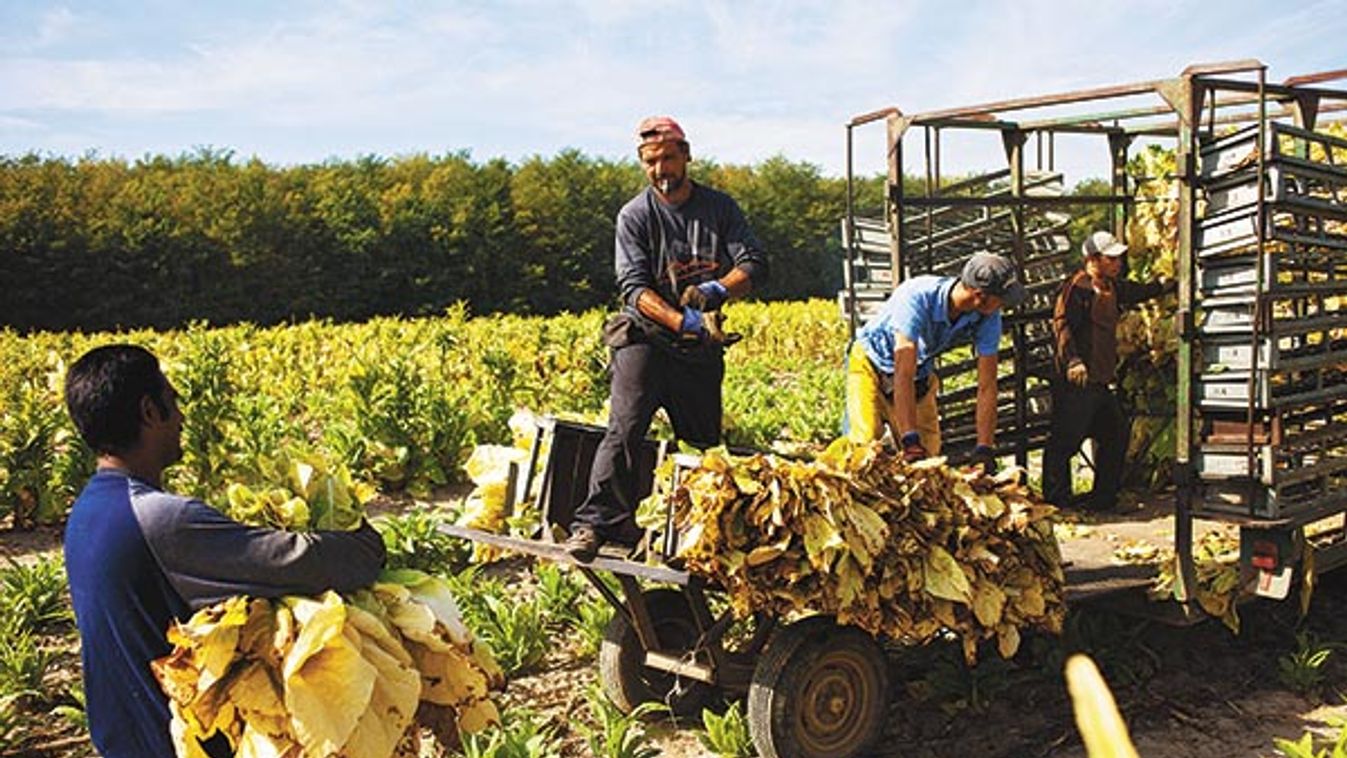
(814, 688)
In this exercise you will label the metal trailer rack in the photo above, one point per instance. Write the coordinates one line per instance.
(1261, 412)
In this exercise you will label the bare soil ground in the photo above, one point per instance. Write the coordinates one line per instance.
(1197, 691)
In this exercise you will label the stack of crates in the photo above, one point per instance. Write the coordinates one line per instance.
(1271, 294)
(939, 240)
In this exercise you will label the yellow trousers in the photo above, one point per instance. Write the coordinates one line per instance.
(869, 408)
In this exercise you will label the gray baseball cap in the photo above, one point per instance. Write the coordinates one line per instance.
(1103, 243)
(995, 276)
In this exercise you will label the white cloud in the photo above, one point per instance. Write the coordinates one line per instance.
(17, 124)
(749, 79)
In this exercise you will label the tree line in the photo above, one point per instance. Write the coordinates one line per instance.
(100, 243)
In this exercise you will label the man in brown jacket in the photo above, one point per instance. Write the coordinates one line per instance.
(1084, 321)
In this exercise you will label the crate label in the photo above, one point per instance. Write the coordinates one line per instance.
(1229, 277)
(1274, 584)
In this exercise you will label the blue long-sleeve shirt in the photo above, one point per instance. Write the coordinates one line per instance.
(139, 558)
(919, 310)
(666, 248)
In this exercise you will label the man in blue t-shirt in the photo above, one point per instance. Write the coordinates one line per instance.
(139, 558)
(682, 250)
(891, 366)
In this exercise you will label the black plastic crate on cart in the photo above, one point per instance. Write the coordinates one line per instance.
(565, 474)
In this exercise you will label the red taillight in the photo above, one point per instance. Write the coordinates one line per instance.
(1264, 555)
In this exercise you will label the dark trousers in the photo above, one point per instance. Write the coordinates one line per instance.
(1079, 413)
(645, 378)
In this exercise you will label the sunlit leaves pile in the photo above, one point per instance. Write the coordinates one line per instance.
(901, 550)
(1216, 571)
(312, 496)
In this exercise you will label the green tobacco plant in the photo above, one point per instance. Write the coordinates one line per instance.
(33, 596)
(71, 466)
(617, 734)
(560, 594)
(521, 734)
(32, 432)
(1308, 747)
(23, 661)
(503, 380)
(262, 427)
(1116, 643)
(960, 687)
(202, 376)
(73, 710)
(414, 541)
(594, 615)
(1302, 669)
(471, 589)
(516, 631)
(413, 429)
(727, 735)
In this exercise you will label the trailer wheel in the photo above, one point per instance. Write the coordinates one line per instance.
(628, 682)
(820, 690)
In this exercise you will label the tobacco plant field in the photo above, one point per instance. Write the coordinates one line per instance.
(401, 403)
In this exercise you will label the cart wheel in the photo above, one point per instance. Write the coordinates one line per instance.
(820, 690)
(628, 682)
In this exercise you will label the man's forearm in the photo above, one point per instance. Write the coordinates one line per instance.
(986, 416)
(737, 282)
(653, 307)
(905, 383)
(1131, 293)
(905, 403)
(986, 402)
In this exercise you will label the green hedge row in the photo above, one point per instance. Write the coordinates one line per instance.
(103, 243)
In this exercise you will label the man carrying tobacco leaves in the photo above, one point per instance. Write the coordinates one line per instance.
(890, 375)
(682, 250)
(1084, 403)
(139, 559)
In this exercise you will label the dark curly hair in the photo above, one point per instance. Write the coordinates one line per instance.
(103, 390)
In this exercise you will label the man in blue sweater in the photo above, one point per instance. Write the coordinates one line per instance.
(139, 558)
(682, 250)
(891, 378)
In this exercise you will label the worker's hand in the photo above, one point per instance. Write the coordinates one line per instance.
(707, 296)
(984, 457)
(715, 326)
(913, 450)
(1077, 373)
(1168, 286)
(694, 323)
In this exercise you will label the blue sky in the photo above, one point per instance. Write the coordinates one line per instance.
(296, 82)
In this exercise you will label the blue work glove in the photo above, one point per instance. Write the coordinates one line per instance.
(913, 450)
(985, 457)
(714, 293)
(693, 322)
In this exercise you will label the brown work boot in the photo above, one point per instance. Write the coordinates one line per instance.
(583, 544)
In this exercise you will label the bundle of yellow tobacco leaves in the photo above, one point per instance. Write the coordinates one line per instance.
(352, 676)
(903, 550)
(329, 676)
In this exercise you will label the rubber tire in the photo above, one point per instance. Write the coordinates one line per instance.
(628, 682)
(810, 661)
